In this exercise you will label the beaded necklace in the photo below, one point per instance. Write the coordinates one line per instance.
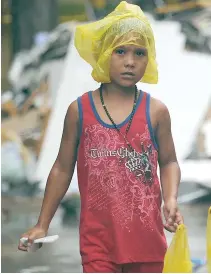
(112, 121)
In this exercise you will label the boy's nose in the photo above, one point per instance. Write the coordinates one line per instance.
(129, 61)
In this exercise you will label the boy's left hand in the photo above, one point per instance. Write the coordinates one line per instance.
(172, 215)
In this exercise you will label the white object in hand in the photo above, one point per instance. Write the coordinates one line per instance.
(37, 243)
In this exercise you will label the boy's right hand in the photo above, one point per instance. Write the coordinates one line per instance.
(34, 233)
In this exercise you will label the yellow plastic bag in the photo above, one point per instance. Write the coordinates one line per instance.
(177, 258)
(127, 24)
(209, 241)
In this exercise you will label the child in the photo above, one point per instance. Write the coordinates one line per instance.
(117, 134)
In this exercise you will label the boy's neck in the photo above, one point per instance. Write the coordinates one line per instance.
(114, 90)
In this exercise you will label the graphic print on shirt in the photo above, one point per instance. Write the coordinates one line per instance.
(119, 179)
(136, 162)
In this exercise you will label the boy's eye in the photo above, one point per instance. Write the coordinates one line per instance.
(120, 51)
(141, 53)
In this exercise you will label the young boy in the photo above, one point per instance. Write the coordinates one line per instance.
(117, 134)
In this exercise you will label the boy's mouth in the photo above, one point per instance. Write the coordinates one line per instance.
(128, 73)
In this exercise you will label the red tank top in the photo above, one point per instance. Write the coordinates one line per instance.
(120, 192)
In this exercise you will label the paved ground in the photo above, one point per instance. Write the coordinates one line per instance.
(63, 255)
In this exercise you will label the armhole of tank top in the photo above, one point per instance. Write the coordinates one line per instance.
(152, 133)
(80, 114)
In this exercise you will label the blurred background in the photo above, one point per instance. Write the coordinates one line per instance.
(42, 74)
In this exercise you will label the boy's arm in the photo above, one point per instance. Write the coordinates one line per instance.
(62, 171)
(169, 169)
(59, 177)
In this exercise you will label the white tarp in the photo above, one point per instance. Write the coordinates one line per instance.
(206, 129)
(197, 172)
(184, 86)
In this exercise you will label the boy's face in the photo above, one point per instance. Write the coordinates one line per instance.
(128, 64)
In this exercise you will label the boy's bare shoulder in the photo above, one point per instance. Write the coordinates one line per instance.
(73, 112)
(159, 108)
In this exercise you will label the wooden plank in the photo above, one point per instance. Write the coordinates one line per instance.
(10, 108)
(21, 123)
(178, 7)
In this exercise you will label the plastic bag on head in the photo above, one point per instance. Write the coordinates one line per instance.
(127, 24)
(177, 258)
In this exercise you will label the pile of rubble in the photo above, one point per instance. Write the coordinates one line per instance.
(26, 109)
